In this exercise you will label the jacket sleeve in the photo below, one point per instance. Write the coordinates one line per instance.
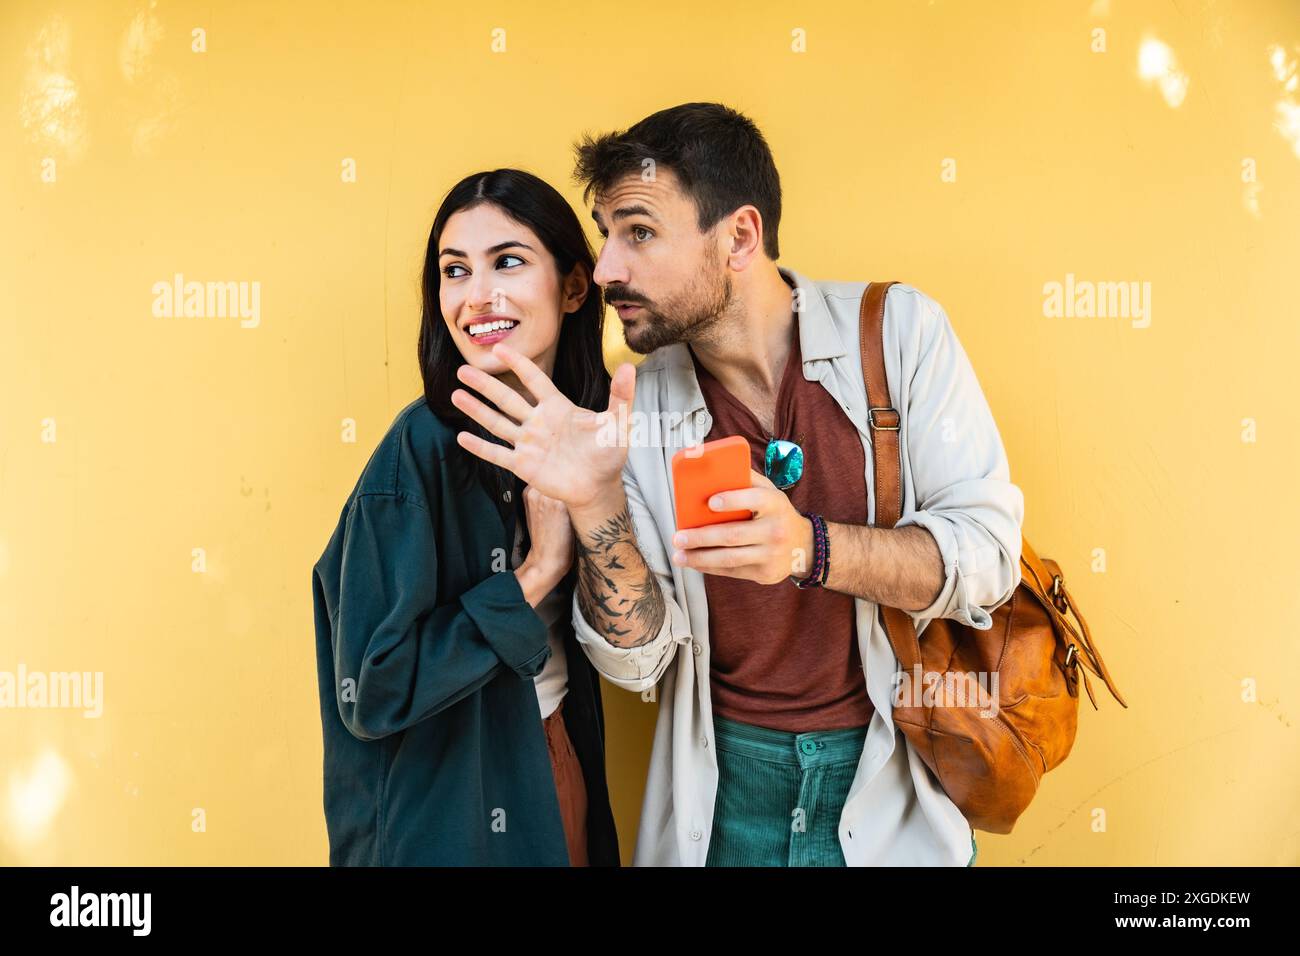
(408, 651)
(962, 482)
(638, 668)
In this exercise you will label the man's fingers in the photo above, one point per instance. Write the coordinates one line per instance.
(621, 391)
(497, 392)
(720, 560)
(488, 451)
(748, 573)
(622, 387)
(759, 480)
(742, 499)
(532, 377)
(728, 534)
(489, 418)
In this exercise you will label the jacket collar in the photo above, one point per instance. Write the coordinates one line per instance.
(818, 339)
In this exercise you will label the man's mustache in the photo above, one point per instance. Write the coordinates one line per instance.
(618, 293)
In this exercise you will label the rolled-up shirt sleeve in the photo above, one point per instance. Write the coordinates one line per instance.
(961, 479)
(638, 668)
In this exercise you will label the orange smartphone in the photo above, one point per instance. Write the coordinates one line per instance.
(701, 472)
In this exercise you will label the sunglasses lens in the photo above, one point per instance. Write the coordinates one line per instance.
(783, 463)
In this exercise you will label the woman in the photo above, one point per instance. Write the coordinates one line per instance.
(462, 723)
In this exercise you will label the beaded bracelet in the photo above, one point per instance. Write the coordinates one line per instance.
(821, 555)
(826, 551)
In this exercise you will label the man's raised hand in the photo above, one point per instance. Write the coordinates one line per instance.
(565, 451)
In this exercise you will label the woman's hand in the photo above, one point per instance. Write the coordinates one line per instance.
(566, 452)
(551, 552)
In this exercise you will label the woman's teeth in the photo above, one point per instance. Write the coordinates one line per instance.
(484, 327)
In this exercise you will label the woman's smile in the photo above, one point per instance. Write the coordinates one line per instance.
(489, 329)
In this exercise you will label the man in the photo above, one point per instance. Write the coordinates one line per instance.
(775, 743)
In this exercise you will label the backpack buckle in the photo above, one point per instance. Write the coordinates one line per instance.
(871, 417)
(1058, 595)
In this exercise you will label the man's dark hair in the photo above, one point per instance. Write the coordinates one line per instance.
(718, 154)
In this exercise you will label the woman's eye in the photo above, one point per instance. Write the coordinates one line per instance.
(501, 262)
(637, 233)
(449, 274)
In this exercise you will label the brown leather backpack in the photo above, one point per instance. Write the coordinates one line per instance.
(988, 760)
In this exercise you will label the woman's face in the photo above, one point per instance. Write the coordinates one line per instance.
(500, 284)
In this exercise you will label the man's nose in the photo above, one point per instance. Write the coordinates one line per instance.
(609, 269)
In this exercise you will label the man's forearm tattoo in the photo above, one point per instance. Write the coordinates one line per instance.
(617, 592)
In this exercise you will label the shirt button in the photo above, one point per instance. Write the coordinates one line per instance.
(702, 418)
(704, 741)
(695, 646)
(505, 496)
(696, 834)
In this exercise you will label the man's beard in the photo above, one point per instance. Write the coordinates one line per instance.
(682, 318)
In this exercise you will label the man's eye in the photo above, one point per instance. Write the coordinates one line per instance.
(501, 261)
(637, 233)
(448, 273)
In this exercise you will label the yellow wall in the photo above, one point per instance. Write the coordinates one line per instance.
(172, 434)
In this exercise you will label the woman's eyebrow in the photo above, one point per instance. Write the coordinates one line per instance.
(511, 243)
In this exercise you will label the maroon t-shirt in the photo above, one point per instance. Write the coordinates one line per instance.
(784, 657)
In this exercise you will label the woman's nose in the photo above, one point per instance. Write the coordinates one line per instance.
(480, 293)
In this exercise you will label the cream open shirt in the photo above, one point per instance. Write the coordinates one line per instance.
(956, 484)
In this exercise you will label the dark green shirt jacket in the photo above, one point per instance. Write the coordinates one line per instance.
(435, 752)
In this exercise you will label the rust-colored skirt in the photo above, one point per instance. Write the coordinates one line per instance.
(570, 786)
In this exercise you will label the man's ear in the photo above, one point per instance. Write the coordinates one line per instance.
(746, 237)
(575, 288)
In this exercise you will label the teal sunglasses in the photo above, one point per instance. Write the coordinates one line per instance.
(783, 463)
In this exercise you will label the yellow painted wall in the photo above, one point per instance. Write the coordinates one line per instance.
(128, 440)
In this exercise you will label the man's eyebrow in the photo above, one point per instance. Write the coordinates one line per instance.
(508, 244)
(626, 212)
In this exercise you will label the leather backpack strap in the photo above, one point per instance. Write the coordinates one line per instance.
(883, 420)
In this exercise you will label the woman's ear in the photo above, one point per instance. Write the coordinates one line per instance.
(575, 288)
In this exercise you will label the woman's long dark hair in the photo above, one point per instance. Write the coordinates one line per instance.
(579, 371)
